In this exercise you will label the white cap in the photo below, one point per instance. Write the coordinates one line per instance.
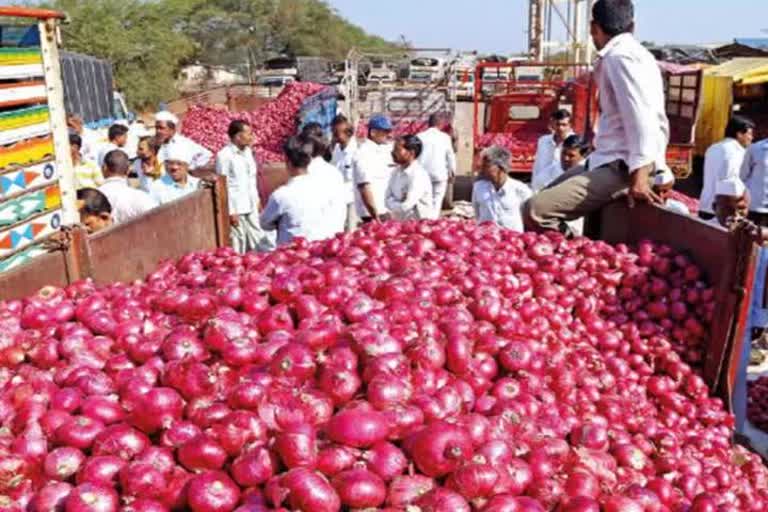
(177, 153)
(663, 177)
(166, 117)
(730, 187)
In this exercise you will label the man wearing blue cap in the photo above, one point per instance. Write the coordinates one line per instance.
(372, 170)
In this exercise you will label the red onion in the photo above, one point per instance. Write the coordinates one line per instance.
(212, 491)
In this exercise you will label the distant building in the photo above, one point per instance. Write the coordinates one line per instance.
(761, 43)
(197, 77)
(743, 48)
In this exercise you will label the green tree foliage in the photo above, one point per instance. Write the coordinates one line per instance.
(148, 41)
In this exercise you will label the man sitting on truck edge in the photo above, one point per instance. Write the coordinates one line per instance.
(344, 151)
(372, 170)
(236, 162)
(296, 208)
(546, 166)
(87, 173)
(127, 202)
(176, 182)
(723, 160)
(496, 197)
(633, 129)
(438, 157)
(166, 125)
(95, 210)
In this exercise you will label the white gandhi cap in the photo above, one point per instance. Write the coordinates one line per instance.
(663, 177)
(166, 117)
(730, 187)
(177, 153)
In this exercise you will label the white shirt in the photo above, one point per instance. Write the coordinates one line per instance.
(676, 206)
(145, 182)
(295, 210)
(503, 206)
(546, 166)
(409, 196)
(241, 171)
(200, 157)
(104, 150)
(372, 165)
(127, 202)
(92, 142)
(633, 125)
(331, 186)
(721, 161)
(165, 190)
(438, 156)
(754, 174)
(343, 159)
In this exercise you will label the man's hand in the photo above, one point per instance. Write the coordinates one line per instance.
(234, 220)
(640, 188)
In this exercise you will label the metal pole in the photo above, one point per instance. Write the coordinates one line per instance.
(49, 47)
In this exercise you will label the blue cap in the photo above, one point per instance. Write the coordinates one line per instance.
(380, 122)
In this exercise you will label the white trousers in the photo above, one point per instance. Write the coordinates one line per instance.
(439, 189)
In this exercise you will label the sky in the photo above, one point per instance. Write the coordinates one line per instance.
(499, 26)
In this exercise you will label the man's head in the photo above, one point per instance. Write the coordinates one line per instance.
(95, 210)
(147, 148)
(731, 200)
(407, 149)
(314, 133)
(496, 164)
(560, 124)
(663, 183)
(118, 135)
(298, 154)
(574, 151)
(165, 126)
(379, 129)
(177, 164)
(342, 130)
(75, 123)
(75, 145)
(240, 133)
(116, 164)
(440, 120)
(611, 18)
(742, 129)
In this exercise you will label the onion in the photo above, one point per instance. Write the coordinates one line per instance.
(63, 463)
(360, 488)
(90, 497)
(212, 491)
(358, 428)
(440, 448)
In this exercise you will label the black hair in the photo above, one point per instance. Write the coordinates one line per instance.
(339, 119)
(412, 143)
(116, 130)
(614, 17)
(737, 125)
(94, 201)
(560, 115)
(576, 142)
(437, 118)
(312, 130)
(154, 146)
(298, 151)
(117, 162)
(314, 134)
(236, 127)
(75, 140)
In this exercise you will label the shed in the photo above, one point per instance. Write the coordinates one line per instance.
(737, 85)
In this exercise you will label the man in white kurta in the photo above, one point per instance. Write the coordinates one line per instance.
(166, 126)
(372, 169)
(496, 197)
(546, 166)
(438, 157)
(409, 195)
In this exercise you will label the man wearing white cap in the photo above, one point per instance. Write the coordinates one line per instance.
(731, 201)
(166, 125)
(176, 182)
(663, 183)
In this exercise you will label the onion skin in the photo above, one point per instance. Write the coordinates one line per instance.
(360, 488)
(212, 491)
(358, 428)
(440, 448)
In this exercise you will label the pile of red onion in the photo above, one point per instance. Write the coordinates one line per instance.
(757, 405)
(401, 127)
(433, 366)
(273, 123)
(522, 145)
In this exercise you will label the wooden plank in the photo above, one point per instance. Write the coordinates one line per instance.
(23, 281)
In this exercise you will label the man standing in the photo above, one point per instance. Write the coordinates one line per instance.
(372, 169)
(409, 196)
(87, 173)
(438, 157)
(633, 129)
(329, 181)
(176, 182)
(166, 125)
(723, 160)
(496, 197)
(118, 138)
(295, 210)
(127, 202)
(754, 173)
(546, 166)
(344, 151)
(89, 138)
(236, 162)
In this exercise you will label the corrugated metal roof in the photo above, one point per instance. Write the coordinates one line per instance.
(746, 71)
(754, 42)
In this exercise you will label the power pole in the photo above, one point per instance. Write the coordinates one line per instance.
(559, 26)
